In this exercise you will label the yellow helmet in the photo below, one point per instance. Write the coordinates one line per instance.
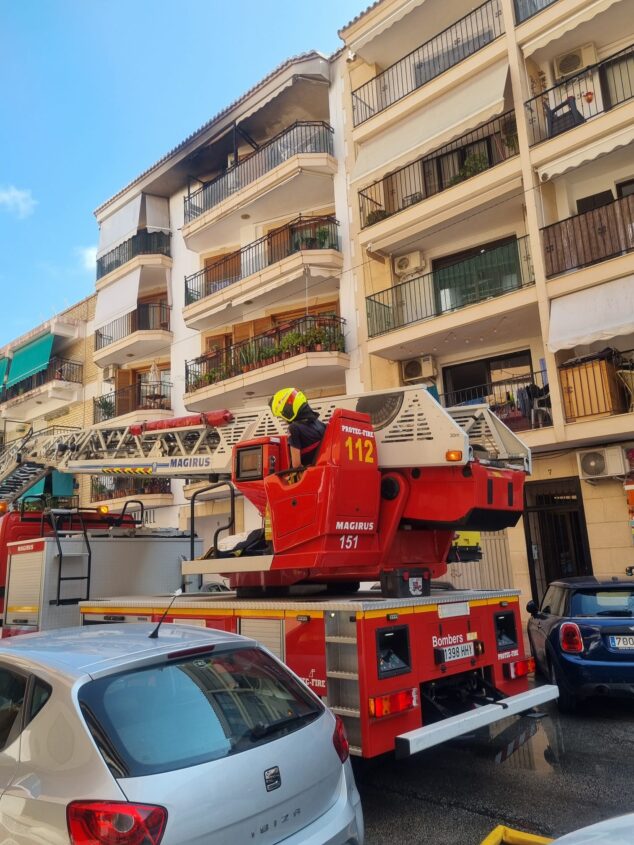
(287, 403)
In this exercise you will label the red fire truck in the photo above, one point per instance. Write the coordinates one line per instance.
(407, 666)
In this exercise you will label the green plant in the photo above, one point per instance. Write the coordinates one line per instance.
(314, 337)
(323, 236)
(376, 215)
(473, 163)
(106, 406)
(290, 341)
(248, 354)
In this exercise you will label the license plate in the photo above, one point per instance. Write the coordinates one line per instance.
(454, 652)
(622, 642)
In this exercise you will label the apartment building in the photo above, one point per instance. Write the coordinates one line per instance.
(219, 270)
(48, 379)
(490, 162)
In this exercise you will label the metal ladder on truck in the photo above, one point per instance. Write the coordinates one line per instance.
(52, 517)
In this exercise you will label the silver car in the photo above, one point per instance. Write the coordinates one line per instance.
(196, 737)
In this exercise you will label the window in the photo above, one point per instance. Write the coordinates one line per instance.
(40, 694)
(474, 381)
(12, 689)
(554, 601)
(625, 189)
(234, 700)
(602, 603)
(594, 201)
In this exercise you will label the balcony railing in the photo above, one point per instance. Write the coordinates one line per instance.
(447, 166)
(588, 238)
(595, 90)
(451, 46)
(493, 273)
(143, 243)
(301, 137)
(306, 334)
(117, 487)
(303, 233)
(142, 396)
(148, 316)
(521, 403)
(525, 9)
(598, 385)
(59, 369)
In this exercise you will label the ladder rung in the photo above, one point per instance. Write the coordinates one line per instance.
(74, 578)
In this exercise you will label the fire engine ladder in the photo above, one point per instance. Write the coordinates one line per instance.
(84, 557)
(24, 462)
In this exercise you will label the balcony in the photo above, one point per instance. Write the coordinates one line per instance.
(142, 333)
(143, 243)
(522, 403)
(473, 153)
(525, 9)
(313, 345)
(585, 239)
(597, 386)
(147, 400)
(292, 166)
(499, 271)
(580, 98)
(263, 270)
(114, 490)
(48, 390)
(445, 50)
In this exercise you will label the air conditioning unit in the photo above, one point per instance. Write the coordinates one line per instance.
(575, 60)
(110, 372)
(609, 462)
(404, 265)
(419, 368)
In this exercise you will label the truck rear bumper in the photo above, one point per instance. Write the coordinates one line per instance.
(426, 737)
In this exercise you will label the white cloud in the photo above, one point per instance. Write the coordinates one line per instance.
(87, 256)
(17, 201)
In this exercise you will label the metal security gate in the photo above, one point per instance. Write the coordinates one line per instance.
(556, 535)
(493, 572)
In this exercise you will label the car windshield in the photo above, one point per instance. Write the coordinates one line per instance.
(191, 711)
(602, 602)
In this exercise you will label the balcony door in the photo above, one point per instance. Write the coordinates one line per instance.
(556, 534)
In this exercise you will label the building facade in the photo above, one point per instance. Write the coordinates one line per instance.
(490, 163)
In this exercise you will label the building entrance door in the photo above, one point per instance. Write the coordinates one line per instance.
(556, 535)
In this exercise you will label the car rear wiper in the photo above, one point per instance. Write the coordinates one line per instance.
(614, 613)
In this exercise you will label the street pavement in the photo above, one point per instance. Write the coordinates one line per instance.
(549, 776)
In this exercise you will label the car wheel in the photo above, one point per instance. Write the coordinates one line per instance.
(567, 702)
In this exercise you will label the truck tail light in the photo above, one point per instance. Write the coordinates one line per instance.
(395, 702)
(519, 668)
(115, 823)
(340, 740)
(570, 638)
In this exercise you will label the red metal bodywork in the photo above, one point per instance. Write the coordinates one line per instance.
(347, 519)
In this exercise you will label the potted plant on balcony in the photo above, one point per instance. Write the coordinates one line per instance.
(315, 338)
(248, 357)
(474, 163)
(290, 343)
(323, 238)
(375, 215)
(106, 407)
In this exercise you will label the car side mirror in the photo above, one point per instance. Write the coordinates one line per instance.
(532, 608)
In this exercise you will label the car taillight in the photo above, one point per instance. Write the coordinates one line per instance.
(16, 630)
(519, 669)
(340, 740)
(115, 823)
(570, 638)
(395, 702)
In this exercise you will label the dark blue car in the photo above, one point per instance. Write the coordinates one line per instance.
(582, 638)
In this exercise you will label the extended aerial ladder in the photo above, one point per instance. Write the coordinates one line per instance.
(411, 429)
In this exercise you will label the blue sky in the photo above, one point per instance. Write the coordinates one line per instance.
(93, 92)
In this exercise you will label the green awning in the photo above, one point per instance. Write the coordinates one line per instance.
(62, 483)
(30, 359)
(4, 363)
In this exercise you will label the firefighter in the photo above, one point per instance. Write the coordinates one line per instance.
(305, 429)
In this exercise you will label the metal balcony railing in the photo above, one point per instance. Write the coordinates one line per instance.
(143, 243)
(306, 334)
(142, 396)
(588, 238)
(447, 166)
(59, 369)
(522, 402)
(300, 234)
(301, 137)
(525, 9)
(598, 385)
(493, 273)
(451, 46)
(148, 316)
(591, 92)
(117, 487)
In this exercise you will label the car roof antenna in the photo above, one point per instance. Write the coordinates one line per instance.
(154, 634)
